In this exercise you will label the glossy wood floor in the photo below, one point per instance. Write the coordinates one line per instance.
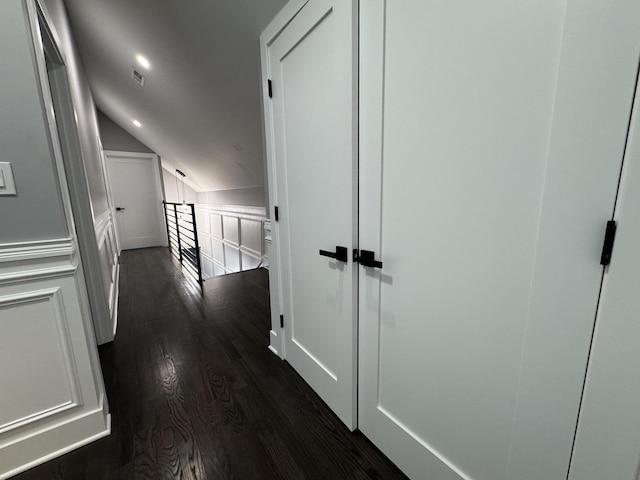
(194, 392)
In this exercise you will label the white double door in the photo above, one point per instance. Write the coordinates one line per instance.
(484, 181)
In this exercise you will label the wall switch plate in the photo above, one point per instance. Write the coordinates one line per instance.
(7, 184)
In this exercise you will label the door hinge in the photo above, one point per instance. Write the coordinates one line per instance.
(270, 88)
(277, 214)
(607, 248)
(281, 321)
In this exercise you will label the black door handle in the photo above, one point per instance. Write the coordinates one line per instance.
(119, 208)
(367, 259)
(341, 254)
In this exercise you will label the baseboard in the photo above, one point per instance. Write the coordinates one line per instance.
(274, 343)
(54, 441)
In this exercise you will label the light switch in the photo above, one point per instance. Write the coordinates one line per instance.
(7, 184)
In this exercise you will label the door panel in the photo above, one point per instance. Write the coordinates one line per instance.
(312, 65)
(485, 182)
(607, 442)
(134, 180)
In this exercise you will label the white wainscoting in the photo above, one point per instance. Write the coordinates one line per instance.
(106, 238)
(231, 238)
(51, 401)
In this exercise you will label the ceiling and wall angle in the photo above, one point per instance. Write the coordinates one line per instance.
(199, 108)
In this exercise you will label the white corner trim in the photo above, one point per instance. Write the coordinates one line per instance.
(12, 252)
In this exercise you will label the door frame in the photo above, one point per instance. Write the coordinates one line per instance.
(71, 169)
(155, 163)
(270, 34)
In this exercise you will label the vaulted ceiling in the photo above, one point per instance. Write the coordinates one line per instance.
(200, 106)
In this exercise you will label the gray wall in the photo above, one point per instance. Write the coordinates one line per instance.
(246, 197)
(84, 107)
(115, 137)
(36, 213)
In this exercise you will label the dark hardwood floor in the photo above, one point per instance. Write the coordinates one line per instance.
(194, 392)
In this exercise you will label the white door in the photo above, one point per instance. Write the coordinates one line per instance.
(314, 93)
(135, 187)
(607, 440)
(491, 140)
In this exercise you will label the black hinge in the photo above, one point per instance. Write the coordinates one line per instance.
(607, 248)
(270, 87)
(281, 321)
(277, 214)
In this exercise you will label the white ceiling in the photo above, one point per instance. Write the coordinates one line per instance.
(200, 107)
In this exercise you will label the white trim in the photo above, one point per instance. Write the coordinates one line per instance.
(237, 211)
(51, 29)
(64, 141)
(268, 36)
(69, 448)
(59, 247)
(39, 274)
(288, 12)
(248, 251)
(101, 226)
(113, 301)
(53, 295)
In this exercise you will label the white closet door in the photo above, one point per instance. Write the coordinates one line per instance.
(491, 140)
(312, 66)
(607, 441)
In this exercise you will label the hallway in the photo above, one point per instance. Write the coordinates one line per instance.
(194, 392)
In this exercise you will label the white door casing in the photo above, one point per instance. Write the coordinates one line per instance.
(486, 179)
(135, 187)
(607, 442)
(312, 67)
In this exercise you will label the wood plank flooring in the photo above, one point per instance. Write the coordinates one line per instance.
(194, 392)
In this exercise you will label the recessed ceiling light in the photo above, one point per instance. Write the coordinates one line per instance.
(143, 61)
(137, 123)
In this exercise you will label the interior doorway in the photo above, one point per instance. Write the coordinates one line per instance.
(137, 195)
(97, 253)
